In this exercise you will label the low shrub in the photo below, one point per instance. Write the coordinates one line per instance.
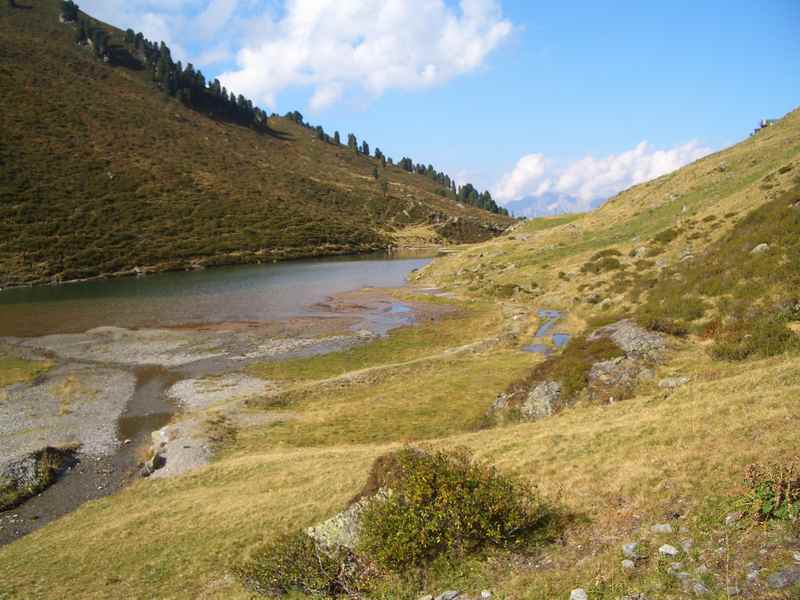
(666, 236)
(447, 503)
(760, 334)
(773, 491)
(293, 563)
(610, 252)
(437, 506)
(602, 265)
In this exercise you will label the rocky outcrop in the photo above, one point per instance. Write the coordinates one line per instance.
(616, 379)
(542, 401)
(28, 475)
(607, 381)
(340, 531)
(637, 342)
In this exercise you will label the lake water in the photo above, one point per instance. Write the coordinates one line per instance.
(241, 293)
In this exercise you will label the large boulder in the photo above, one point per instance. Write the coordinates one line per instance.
(542, 401)
(635, 341)
(615, 379)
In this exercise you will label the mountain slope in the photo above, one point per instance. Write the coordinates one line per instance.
(102, 173)
(664, 456)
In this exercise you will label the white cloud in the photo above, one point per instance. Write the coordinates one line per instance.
(585, 181)
(365, 46)
(336, 48)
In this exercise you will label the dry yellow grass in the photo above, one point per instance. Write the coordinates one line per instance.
(618, 468)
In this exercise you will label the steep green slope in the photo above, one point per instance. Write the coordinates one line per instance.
(101, 173)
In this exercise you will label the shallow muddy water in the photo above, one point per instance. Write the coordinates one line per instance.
(250, 295)
(242, 293)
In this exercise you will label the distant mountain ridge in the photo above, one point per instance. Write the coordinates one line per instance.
(103, 174)
(550, 204)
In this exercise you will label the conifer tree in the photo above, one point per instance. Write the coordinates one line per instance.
(336, 139)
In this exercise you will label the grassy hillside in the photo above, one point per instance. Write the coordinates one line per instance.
(675, 456)
(682, 255)
(101, 173)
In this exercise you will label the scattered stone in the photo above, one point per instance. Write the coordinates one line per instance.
(426, 597)
(796, 556)
(702, 570)
(640, 252)
(783, 579)
(733, 590)
(669, 383)
(667, 550)
(578, 594)
(661, 528)
(638, 596)
(542, 401)
(628, 564)
(732, 518)
(760, 249)
(699, 589)
(752, 573)
(687, 545)
(632, 550)
(486, 595)
(676, 566)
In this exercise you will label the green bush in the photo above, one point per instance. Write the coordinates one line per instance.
(447, 503)
(602, 265)
(773, 491)
(293, 563)
(666, 236)
(610, 252)
(761, 334)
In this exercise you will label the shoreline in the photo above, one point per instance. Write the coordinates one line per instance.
(229, 260)
(161, 358)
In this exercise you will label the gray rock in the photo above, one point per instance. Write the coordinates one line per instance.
(732, 518)
(676, 566)
(448, 595)
(687, 545)
(699, 589)
(783, 579)
(661, 528)
(669, 383)
(426, 597)
(760, 249)
(733, 590)
(612, 380)
(638, 596)
(667, 550)
(631, 550)
(578, 594)
(796, 556)
(640, 252)
(628, 564)
(752, 573)
(486, 595)
(635, 341)
(542, 401)
(342, 530)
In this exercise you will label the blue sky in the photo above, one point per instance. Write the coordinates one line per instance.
(569, 101)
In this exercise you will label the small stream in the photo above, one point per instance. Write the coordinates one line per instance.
(559, 340)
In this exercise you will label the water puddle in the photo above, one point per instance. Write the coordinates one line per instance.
(150, 408)
(559, 340)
